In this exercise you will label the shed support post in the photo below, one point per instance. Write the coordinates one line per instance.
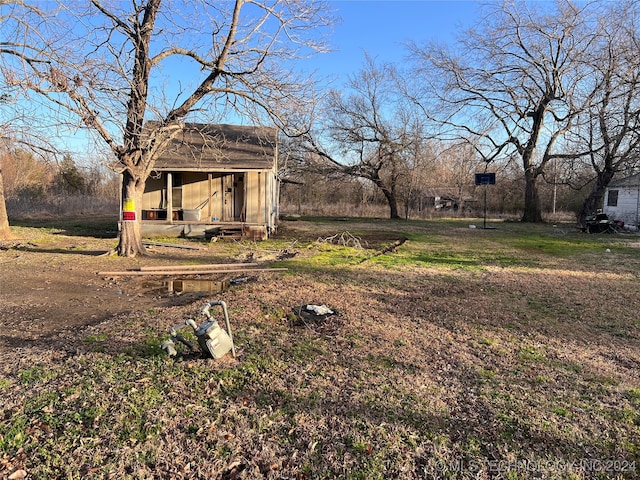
(169, 198)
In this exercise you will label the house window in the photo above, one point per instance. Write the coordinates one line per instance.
(612, 198)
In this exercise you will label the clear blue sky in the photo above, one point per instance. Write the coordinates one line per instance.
(380, 27)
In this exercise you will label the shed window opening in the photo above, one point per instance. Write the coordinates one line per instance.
(612, 198)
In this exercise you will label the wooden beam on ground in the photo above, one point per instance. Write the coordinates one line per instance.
(134, 273)
(217, 266)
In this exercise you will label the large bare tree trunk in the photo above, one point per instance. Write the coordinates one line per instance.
(5, 231)
(532, 210)
(391, 200)
(595, 199)
(393, 204)
(130, 243)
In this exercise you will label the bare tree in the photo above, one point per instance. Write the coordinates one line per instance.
(417, 166)
(457, 164)
(132, 72)
(368, 132)
(22, 142)
(609, 128)
(508, 88)
(5, 136)
(5, 230)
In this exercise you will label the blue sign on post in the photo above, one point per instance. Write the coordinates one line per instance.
(485, 178)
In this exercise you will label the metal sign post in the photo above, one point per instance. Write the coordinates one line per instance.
(485, 179)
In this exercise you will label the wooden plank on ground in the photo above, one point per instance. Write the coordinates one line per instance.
(212, 266)
(134, 273)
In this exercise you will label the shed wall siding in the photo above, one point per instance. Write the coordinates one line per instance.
(195, 190)
(152, 197)
(252, 188)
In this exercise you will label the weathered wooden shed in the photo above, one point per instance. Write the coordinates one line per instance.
(622, 200)
(214, 180)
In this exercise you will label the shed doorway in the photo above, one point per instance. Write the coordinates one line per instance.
(233, 187)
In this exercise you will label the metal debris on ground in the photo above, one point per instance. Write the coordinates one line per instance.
(213, 340)
(319, 309)
(601, 223)
(260, 254)
(316, 317)
(240, 280)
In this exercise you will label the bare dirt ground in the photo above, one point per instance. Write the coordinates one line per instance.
(51, 287)
(50, 290)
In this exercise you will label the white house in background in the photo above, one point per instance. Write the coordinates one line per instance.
(622, 200)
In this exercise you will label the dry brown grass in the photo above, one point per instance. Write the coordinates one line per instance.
(511, 353)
